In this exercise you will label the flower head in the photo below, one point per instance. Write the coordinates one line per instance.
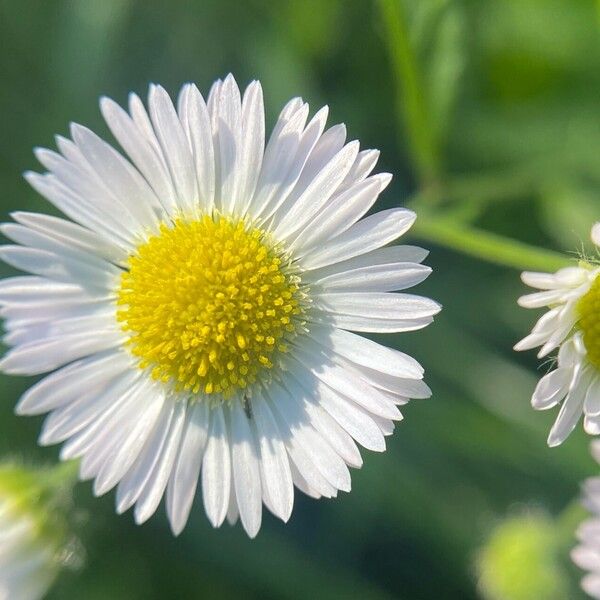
(197, 308)
(587, 554)
(572, 324)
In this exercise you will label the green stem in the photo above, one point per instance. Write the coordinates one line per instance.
(410, 98)
(489, 246)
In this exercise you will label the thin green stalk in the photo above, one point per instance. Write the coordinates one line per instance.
(489, 246)
(411, 105)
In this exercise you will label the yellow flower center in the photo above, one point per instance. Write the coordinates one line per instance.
(209, 304)
(589, 321)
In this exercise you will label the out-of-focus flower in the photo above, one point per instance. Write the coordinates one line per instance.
(203, 301)
(520, 560)
(587, 554)
(572, 324)
(34, 541)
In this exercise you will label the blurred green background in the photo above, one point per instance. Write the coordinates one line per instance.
(486, 111)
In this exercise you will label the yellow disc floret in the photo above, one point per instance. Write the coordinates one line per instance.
(589, 321)
(209, 304)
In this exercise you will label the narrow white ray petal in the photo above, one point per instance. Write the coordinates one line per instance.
(252, 144)
(124, 182)
(185, 474)
(301, 483)
(329, 464)
(147, 406)
(153, 491)
(335, 435)
(275, 469)
(135, 480)
(347, 384)
(61, 267)
(87, 185)
(365, 352)
(363, 165)
(340, 213)
(316, 194)
(143, 153)
(377, 278)
(42, 241)
(66, 385)
(569, 414)
(246, 473)
(233, 513)
(216, 470)
(35, 358)
(592, 397)
(173, 142)
(92, 402)
(551, 388)
(72, 235)
(229, 129)
(199, 133)
(539, 299)
(300, 460)
(77, 208)
(366, 235)
(381, 256)
(360, 426)
(371, 324)
(39, 291)
(115, 423)
(378, 305)
(283, 161)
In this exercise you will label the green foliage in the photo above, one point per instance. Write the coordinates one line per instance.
(486, 112)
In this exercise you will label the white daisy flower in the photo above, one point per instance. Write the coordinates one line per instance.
(587, 554)
(202, 299)
(572, 325)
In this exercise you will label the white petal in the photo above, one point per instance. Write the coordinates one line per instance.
(246, 473)
(569, 414)
(229, 129)
(92, 402)
(126, 452)
(184, 478)
(174, 145)
(142, 147)
(341, 212)
(295, 215)
(283, 160)
(381, 256)
(363, 351)
(77, 208)
(72, 235)
(551, 389)
(592, 397)
(252, 143)
(154, 489)
(199, 133)
(68, 269)
(125, 182)
(377, 305)
(366, 235)
(327, 426)
(135, 480)
(216, 470)
(349, 385)
(35, 358)
(275, 469)
(331, 466)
